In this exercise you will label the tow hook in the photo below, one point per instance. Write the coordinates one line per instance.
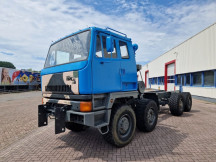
(104, 129)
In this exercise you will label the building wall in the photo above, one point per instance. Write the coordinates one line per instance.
(197, 54)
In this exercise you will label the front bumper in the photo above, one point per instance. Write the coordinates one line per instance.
(64, 113)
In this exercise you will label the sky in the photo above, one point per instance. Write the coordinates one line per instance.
(28, 27)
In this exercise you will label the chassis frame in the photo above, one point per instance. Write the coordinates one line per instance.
(65, 108)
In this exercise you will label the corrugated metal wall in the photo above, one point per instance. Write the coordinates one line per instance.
(195, 54)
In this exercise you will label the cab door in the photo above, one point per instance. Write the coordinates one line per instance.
(105, 67)
(128, 70)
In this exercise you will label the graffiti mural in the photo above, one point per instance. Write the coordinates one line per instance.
(18, 77)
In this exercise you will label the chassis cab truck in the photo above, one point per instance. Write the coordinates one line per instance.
(90, 80)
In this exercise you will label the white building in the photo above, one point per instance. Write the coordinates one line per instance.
(190, 66)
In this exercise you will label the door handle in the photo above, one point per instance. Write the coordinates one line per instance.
(102, 62)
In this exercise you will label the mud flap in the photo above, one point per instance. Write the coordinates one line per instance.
(60, 114)
(42, 116)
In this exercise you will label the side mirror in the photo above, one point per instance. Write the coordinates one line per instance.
(109, 44)
(135, 47)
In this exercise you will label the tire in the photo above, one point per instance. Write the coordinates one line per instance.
(176, 104)
(187, 101)
(122, 125)
(146, 114)
(75, 127)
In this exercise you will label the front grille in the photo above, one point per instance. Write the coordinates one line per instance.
(58, 88)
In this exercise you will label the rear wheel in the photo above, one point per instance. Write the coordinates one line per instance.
(176, 104)
(122, 126)
(146, 114)
(75, 127)
(187, 101)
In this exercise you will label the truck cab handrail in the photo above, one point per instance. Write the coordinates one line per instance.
(108, 28)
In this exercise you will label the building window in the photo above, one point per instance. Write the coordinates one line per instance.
(209, 78)
(183, 79)
(187, 79)
(153, 80)
(205, 78)
(156, 80)
(197, 79)
(150, 81)
(179, 80)
(171, 79)
(160, 80)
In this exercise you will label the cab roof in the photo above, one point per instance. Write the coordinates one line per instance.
(108, 31)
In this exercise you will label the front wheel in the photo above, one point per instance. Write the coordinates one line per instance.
(122, 126)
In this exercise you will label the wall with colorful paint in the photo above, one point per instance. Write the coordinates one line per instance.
(18, 77)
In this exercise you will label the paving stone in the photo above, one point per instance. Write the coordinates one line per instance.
(190, 137)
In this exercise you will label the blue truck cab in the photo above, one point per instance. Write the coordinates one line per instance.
(99, 71)
(90, 80)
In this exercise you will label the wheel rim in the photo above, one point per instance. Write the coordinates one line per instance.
(181, 105)
(124, 126)
(151, 116)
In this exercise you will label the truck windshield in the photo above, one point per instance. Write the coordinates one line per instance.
(72, 49)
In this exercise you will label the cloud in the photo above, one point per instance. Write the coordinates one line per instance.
(28, 27)
(39, 58)
(6, 53)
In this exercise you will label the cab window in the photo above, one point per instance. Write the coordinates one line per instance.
(62, 57)
(114, 53)
(123, 50)
(98, 47)
(106, 54)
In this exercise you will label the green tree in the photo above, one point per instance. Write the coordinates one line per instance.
(7, 64)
